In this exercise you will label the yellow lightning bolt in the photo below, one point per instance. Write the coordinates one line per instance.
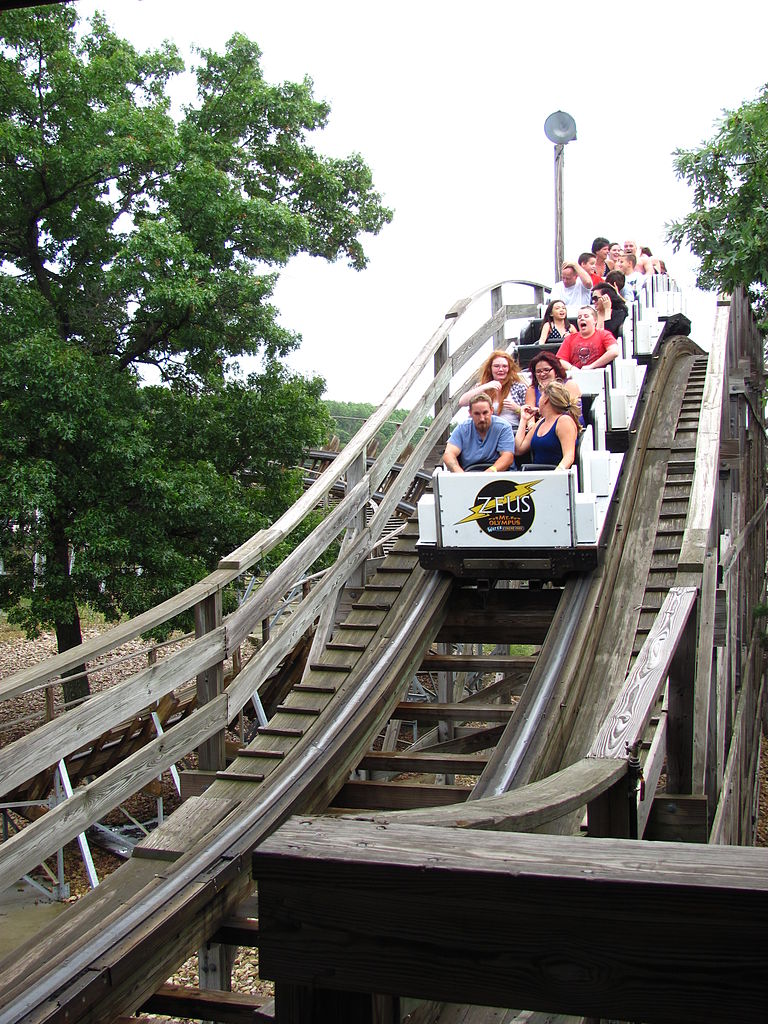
(488, 506)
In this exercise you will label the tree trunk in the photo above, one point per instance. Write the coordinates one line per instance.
(68, 635)
(68, 632)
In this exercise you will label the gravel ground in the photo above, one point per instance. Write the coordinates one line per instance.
(18, 716)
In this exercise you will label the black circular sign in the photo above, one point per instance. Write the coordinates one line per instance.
(506, 509)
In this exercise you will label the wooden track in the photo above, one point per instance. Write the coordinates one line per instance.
(121, 942)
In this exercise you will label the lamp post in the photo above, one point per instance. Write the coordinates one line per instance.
(559, 128)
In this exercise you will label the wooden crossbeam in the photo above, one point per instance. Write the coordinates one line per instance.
(199, 1004)
(474, 712)
(403, 761)
(475, 663)
(398, 796)
(467, 740)
(660, 932)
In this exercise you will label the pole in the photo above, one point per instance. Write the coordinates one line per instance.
(559, 243)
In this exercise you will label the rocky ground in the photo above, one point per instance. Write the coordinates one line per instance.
(20, 715)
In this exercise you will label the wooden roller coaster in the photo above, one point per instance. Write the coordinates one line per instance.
(629, 736)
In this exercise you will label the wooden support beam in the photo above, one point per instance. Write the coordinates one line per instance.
(476, 662)
(421, 761)
(678, 818)
(566, 924)
(499, 616)
(398, 796)
(469, 712)
(197, 1004)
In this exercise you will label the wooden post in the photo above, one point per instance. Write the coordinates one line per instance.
(355, 474)
(613, 814)
(441, 358)
(50, 709)
(210, 683)
(496, 303)
(682, 672)
(445, 695)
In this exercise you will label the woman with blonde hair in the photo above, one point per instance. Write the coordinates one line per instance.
(551, 439)
(501, 379)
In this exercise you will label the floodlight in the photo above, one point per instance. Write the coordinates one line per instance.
(560, 128)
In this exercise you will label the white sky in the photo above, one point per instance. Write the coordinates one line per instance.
(446, 102)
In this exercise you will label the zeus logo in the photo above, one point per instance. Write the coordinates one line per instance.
(515, 501)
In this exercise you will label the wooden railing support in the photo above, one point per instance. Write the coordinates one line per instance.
(682, 672)
(210, 683)
(355, 474)
(496, 305)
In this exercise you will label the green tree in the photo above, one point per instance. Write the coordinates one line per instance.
(349, 417)
(131, 241)
(728, 226)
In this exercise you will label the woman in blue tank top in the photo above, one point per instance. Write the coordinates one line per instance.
(551, 439)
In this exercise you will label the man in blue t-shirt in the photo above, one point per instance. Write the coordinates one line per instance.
(482, 438)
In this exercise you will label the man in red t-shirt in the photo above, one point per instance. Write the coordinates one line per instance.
(591, 348)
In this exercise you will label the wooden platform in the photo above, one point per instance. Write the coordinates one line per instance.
(658, 932)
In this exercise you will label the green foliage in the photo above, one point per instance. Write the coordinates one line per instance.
(127, 241)
(729, 222)
(350, 416)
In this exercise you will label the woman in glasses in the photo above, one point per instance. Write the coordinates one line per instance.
(550, 438)
(502, 380)
(545, 368)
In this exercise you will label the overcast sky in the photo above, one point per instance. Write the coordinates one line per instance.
(446, 101)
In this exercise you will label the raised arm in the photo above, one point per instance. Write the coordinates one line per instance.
(584, 277)
(524, 429)
(487, 388)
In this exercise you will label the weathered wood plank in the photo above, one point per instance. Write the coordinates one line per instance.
(199, 1004)
(521, 810)
(474, 712)
(46, 746)
(421, 761)
(632, 709)
(680, 818)
(64, 822)
(184, 827)
(396, 900)
(398, 795)
(476, 662)
(694, 546)
(38, 675)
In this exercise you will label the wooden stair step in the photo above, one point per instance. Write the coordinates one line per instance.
(228, 776)
(248, 752)
(273, 730)
(291, 710)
